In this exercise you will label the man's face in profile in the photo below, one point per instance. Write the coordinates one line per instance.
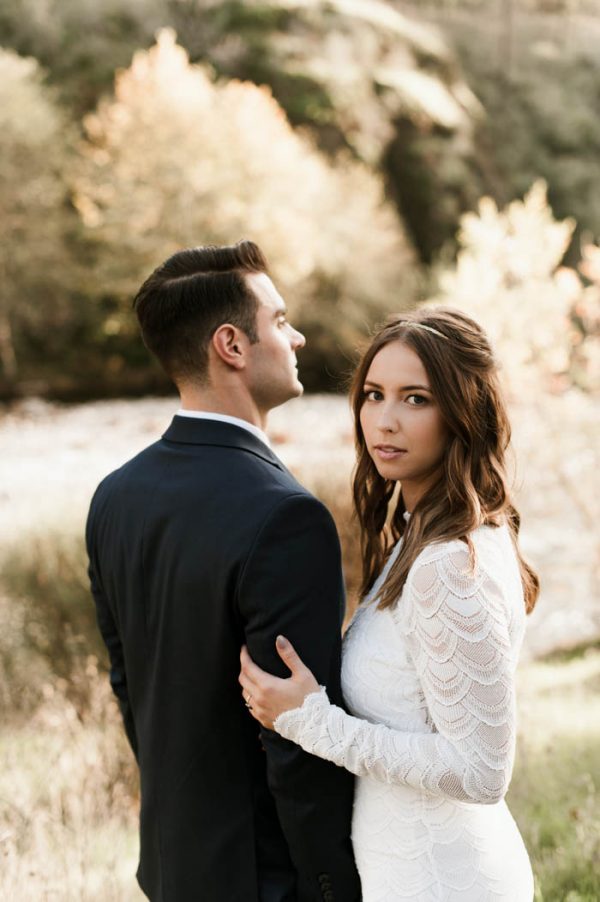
(272, 371)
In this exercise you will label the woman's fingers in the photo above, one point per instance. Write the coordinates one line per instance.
(251, 677)
(246, 685)
(255, 685)
(290, 656)
(251, 695)
(268, 696)
(252, 671)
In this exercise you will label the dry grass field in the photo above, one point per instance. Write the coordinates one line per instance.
(68, 792)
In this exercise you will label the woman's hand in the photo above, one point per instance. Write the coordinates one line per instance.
(267, 696)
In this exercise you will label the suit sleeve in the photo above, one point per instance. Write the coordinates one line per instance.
(107, 625)
(292, 584)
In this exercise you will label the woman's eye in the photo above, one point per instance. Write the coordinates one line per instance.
(416, 400)
(373, 395)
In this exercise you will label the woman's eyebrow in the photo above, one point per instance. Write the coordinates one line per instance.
(402, 387)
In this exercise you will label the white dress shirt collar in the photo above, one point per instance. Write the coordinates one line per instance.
(225, 418)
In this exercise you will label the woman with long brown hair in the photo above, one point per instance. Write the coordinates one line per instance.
(430, 655)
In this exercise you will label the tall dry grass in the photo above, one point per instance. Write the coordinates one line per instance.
(68, 783)
(69, 794)
(68, 799)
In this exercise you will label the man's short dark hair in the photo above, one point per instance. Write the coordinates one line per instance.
(187, 298)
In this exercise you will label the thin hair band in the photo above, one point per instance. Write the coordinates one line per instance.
(429, 329)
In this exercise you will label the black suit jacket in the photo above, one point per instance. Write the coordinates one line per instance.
(202, 542)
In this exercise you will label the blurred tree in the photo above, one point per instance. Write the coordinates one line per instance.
(546, 131)
(176, 160)
(374, 81)
(36, 220)
(361, 75)
(586, 322)
(507, 277)
(537, 119)
(80, 43)
(495, 96)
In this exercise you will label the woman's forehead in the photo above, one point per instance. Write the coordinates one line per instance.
(397, 362)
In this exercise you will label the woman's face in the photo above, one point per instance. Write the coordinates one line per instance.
(401, 421)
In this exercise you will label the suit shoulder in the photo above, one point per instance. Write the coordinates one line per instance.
(296, 513)
(252, 475)
(112, 479)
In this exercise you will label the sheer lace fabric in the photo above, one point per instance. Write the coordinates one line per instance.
(431, 736)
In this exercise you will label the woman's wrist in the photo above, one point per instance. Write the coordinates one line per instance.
(312, 701)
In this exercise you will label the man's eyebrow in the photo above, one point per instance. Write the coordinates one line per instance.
(402, 387)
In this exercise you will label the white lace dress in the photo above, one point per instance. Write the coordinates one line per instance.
(431, 687)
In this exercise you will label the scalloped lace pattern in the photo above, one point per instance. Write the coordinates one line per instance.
(431, 687)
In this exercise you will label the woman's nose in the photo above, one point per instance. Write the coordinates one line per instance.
(387, 421)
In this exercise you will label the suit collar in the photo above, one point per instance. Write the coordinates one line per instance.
(193, 431)
(225, 418)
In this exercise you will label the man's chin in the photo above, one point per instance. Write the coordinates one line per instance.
(294, 391)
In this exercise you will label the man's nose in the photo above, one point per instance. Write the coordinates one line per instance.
(298, 339)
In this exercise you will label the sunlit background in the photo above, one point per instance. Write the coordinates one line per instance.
(383, 155)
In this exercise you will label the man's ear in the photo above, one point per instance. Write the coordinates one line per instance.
(230, 344)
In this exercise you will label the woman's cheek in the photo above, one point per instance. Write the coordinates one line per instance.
(368, 427)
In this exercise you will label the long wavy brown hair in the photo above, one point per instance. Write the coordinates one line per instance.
(472, 488)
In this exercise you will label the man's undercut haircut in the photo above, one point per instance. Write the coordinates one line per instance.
(185, 300)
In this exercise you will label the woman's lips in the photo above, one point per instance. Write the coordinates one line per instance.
(388, 452)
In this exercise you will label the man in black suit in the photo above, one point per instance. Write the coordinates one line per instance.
(201, 543)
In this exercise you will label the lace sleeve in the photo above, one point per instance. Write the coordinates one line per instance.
(456, 625)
